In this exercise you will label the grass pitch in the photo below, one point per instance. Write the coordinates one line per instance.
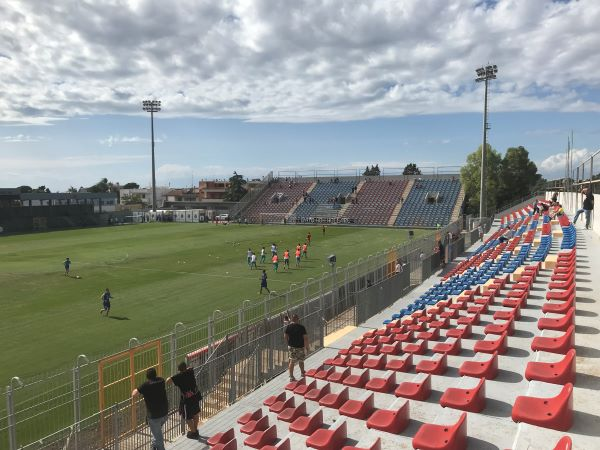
(158, 274)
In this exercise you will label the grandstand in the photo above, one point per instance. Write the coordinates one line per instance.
(482, 356)
(324, 200)
(375, 202)
(278, 199)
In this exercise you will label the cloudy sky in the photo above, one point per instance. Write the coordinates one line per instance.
(260, 85)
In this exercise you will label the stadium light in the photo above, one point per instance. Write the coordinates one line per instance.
(484, 74)
(152, 106)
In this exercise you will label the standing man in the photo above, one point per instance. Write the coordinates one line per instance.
(297, 257)
(262, 255)
(105, 302)
(588, 207)
(189, 405)
(323, 230)
(263, 282)
(305, 250)
(275, 261)
(249, 257)
(155, 396)
(297, 341)
(67, 265)
(273, 249)
(308, 237)
(253, 261)
(286, 259)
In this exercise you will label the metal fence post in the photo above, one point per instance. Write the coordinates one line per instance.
(115, 423)
(77, 396)
(174, 347)
(10, 410)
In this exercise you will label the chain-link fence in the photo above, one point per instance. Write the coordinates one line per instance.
(88, 406)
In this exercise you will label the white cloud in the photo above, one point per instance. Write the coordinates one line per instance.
(20, 138)
(298, 61)
(111, 141)
(554, 165)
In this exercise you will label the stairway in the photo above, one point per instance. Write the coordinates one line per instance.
(299, 202)
(398, 206)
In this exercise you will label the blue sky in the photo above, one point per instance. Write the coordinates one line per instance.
(255, 86)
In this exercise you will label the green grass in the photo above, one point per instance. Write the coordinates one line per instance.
(159, 274)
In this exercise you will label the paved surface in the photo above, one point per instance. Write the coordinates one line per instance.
(493, 428)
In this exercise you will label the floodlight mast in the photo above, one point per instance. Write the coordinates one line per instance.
(484, 74)
(152, 106)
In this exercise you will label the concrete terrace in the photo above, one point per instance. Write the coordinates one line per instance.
(492, 428)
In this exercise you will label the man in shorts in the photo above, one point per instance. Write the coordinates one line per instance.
(308, 237)
(263, 282)
(286, 259)
(253, 261)
(262, 255)
(305, 250)
(275, 261)
(189, 404)
(297, 341)
(105, 302)
(157, 405)
(67, 265)
(297, 257)
(249, 257)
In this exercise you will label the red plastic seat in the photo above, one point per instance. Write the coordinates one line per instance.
(560, 324)
(452, 314)
(259, 439)
(356, 362)
(324, 373)
(391, 420)
(357, 381)
(279, 406)
(513, 302)
(359, 409)
(376, 363)
(560, 295)
(468, 320)
(284, 444)
(449, 348)
(460, 332)
(387, 339)
(559, 308)
(372, 349)
(292, 413)
(392, 349)
(338, 377)
(252, 415)
(371, 340)
(435, 366)
(317, 394)
(328, 439)
(400, 365)
(306, 425)
(559, 372)
(418, 348)
(472, 399)
(561, 344)
(339, 361)
(508, 327)
(313, 372)
(374, 446)
(356, 350)
(416, 327)
(255, 425)
(420, 389)
(274, 398)
(564, 443)
(294, 384)
(477, 309)
(444, 323)
(231, 445)
(404, 337)
(507, 314)
(334, 401)
(487, 346)
(480, 369)
(554, 412)
(221, 438)
(442, 437)
(562, 285)
(304, 388)
(432, 335)
(385, 384)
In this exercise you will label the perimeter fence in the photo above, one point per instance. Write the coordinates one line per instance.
(88, 406)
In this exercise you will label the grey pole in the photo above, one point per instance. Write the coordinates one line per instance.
(152, 106)
(77, 395)
(10, 410)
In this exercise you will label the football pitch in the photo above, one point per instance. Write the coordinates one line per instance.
(158, 274)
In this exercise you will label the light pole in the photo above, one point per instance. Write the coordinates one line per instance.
(484, 74)
(152, 106)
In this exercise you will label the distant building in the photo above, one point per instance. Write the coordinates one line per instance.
(212, 190)
(143, 196)
(182, 195)
(102, 201)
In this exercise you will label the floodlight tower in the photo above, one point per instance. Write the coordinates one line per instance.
(152, 106)
(484, 74)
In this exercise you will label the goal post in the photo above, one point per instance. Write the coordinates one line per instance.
(273, 218)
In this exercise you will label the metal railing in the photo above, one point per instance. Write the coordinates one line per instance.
(234, 353)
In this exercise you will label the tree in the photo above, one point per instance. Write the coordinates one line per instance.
(373, 171)
(411, 169)
(100, 186)
(130, 185)
(518, 174)
(25, 189)
(470, 176)
(42, 190)
(72, 190)
(236, 189)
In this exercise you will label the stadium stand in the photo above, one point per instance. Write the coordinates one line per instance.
(325, 199)
(429, 203)
(278, 199)
(482, 336)
(375, 202)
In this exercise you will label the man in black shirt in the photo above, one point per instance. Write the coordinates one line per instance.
(155, 397)
(297, 341)
(588, 207)
(189, 406)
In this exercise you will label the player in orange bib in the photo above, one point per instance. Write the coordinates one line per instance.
(286, 259)
(297, 257)
(305, 250)
(275, 261)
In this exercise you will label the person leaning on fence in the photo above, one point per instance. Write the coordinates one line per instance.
(157, 405)
(588, 207)
(189, 405)
(297, 341)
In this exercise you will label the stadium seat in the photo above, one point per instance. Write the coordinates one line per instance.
(359, 409)
(317, 394)
(393, 420)
(400, 364)
(376, 363)
(306, 425)
(560, 295)
(404, 337)
(470, 399)
(417, 389)
(280, 405)
(469, 320)
(433, 334)
(460, 332)
(374, 446)
(392, 349)
(564, 443)
(294, 384)
(480, 368)
(329, 438)
(357, 362)
(560, 307)
(442, 437)
(292, 413)
(418, 348)
(283, 444)
(561, 344)
(253, 415)
(324, 373)
(255, 425)
(338, 377)
(259, 439)
(334, 401)
(450, 347)
(434, 366)
(508, 327)
(560, 372)
(339, 360)
(313, 372)
(554, 412)
(498, 345)
(558, 324)
(231, 445)
(304, 388)
(221, 438)
(357, 380)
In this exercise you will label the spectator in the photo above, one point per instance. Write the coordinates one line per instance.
(157, 406)
(297, 341)
(555, 197)
(189, 404)
(588, 207)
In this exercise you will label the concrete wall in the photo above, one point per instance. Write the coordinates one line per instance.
(571, 202)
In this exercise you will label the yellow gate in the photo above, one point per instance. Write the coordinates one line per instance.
(120, 374)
